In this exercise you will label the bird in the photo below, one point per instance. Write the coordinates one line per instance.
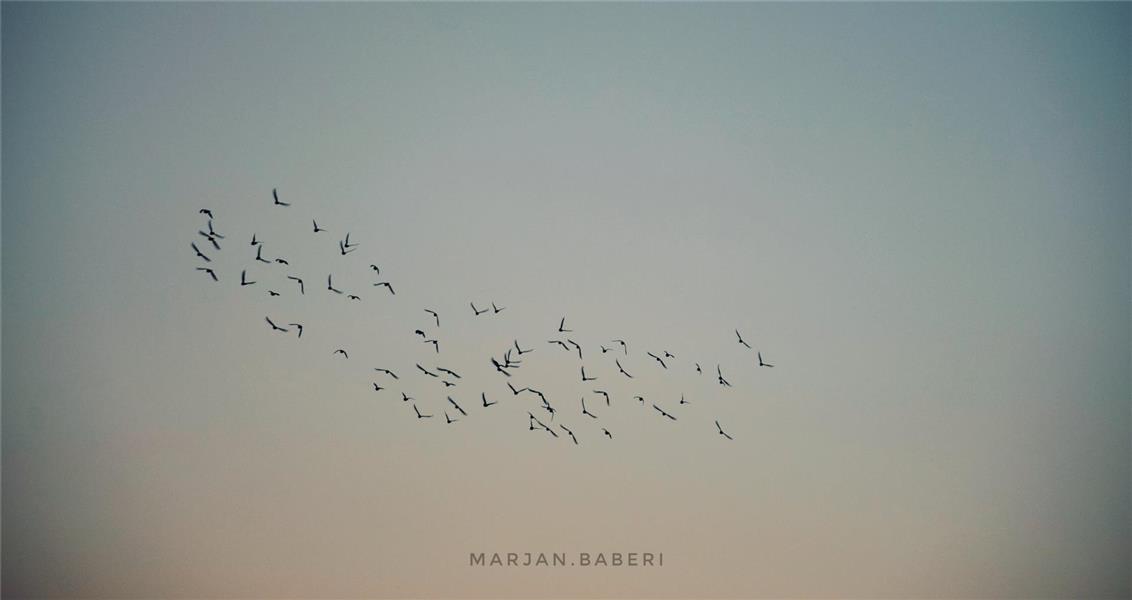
(453, 402)
(210, 272)
(584, 378)
(387, 285)
(624, 346)
(275, 195)
(255, 242)
(575, 345)
(376, 269)
(476, 310)
(761, 363)
(447, 383)
(450, 420)
(344, 250)
(274, 326)
(622, 369)
(435, 345)
(603, 393)
(330, 285)
(606, 432)
(658, 359)
(586, 412)
(212, 232)
(377, 388)
(387, 372)
(211, 238)
(499, 367)
(420, 332)
(722, 381)
(199, 253)
(741, 339)
(570, 432)
(562, 326)
(663, 413)
(298, 326)
(640, 399)
(317, 229)
(682, 400)
(405, 397)
(342, 352)
(434, 315)
(244, 278)
(300, 282)
(272, 293)
(448, 371)
(206, 212)
(282, 261)
(353, 297)
(419, 415)
(485, 402)
(347, 241)
(668, 354)
(426, 371)
(560, 343)
(698, 369)
(721, 431)
(520, 350)
(497, 309)
(604, 349)
(259, 254)
(515, 391)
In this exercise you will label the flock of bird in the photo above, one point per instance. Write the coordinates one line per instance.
(505, 365)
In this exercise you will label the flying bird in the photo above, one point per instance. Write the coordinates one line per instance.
(448, 371)
(476, 310)
(282, 261)
(210, 272)
(426, 371)
(520, 350)
(658, 359)
(722, 381)
(298, 326)
(603, 393)
(347, 241)
(206, 212)
(211, 238)
(606, 432)
(435, 345)
(405, 397)
(485, 402)
(562, 326)
(433, 313)
(419, 415)
(622, 369)
(575, 345)
(450, 420)
(387, 372)
(570, 432)
(377, 388)
(317, 229)
(275, 195)
(353, 297)
(343, 249)
(272, 293)
(515, 391)
(586, 412)
(663, 413)
(453, 402)
(212, 232)
(255, 242)
(624, 346)
(330, 285)
(761, 363)
(721, 430)
(342, 352)
(259, 254)
(274, 326)
(497, 309)
(682, 400)
(299, 281)
(447, 383)
(741, 339)
(387, 285)
(376, 269)
(499, 367)
(584, 378)
(668, 354)
(199, 253)
(244, 278)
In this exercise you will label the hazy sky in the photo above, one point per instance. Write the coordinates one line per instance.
(920, 213)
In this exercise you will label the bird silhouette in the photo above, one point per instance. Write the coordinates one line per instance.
(199, 253)
(282, 261)
(244, 278)
(624, 346)
(347, 243)
(405, 397)
(342, 352)
(606, 432)
(259, 254)
(663, 413)
(426, 371)
(255, 242)
(206, 212)
(272, 293)
(450, 420)
(584, 378)
(722, 381)
(210, 272)
(387, 372)
(604, 349)
(275, 195)
(343, 249)
(419, 415)
(447, 383)
(353, 297)
(570, 432)
(274, 326)
(376, 269)
(377, 388)
(498, 367)
(211, 239)
(576, 346)
(721, 432)
(658, 359)
(435, 345)
(475, 310)
(741, 339)
(520, 350)
(485, 402)
(388, 285)
(560, 343)
(330, 285)
(212, 232)
(453, 402)
(297, 326)
(317, 229)
(682, 400)
(434, 316)
(586, 412)
(562, 326)
(497, 309)
(698, 369)
(448, 371)
(603, 393)
(668, 354)
(622, 369)
(299, 281)
(761, 363)
(515, 391)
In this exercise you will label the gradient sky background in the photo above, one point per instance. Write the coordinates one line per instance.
(919, 212)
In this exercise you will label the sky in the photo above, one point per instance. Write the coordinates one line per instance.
(919, 213)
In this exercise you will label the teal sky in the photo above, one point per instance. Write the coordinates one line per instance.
(919, 212)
